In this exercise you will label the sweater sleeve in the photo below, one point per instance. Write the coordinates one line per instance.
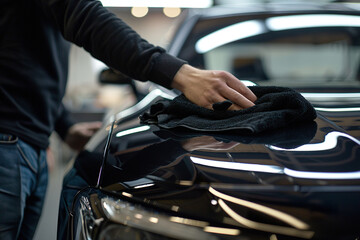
(106, 37)
(63, 122)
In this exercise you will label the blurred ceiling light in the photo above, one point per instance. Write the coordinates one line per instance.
(172, 12)
(158, 3)
(229, 34)
(312, 20)
(139, 12)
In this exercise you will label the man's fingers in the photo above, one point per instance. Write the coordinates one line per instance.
(240, 87)
(238, 99)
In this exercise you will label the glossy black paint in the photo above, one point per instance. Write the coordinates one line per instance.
(298, 182)
(164, 176)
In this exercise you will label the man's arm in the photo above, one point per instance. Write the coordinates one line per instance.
(91, 26)
(88, 24)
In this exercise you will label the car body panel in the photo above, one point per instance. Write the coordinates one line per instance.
(302, 181)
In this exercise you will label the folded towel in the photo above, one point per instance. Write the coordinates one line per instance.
(276, 107)
(288, 138)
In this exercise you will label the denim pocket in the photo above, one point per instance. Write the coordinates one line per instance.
(8, 138)
(29, 155)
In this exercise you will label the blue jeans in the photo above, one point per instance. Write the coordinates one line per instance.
(72, 184)
(23, 183)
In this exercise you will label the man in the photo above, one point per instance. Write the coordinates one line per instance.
(34, 48)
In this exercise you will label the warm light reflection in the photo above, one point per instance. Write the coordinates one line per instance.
(127, 194)
(229, 34)
(132, 131)
(159, 3)
(263, 226)
(273, 237)
(171, 12)
(292, 221)
(138, 216)
(175, 208)
(330, 142)
(188, 221)
(225, 231)
(139, 12)
(153, 220)
(185, 182)
(237, 166)
(109, 127)
(312, 20)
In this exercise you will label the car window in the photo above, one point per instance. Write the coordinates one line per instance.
(293, 56)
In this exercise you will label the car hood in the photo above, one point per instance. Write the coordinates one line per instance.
(300, 181)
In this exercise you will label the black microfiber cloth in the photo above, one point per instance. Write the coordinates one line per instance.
(290, 137)
(276, 107)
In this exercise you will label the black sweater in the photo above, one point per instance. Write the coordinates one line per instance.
(34, 52)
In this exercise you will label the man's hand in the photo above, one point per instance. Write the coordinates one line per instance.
(206, 87)
(80, 133)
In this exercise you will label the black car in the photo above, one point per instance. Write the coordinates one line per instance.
(301, 181)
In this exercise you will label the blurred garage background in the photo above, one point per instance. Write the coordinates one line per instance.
(154, 20)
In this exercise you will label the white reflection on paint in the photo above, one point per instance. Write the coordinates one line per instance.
(312, 20)
(291, 220)
(251, 28)
(322, 175)
(330, 142)
(229, 34)
(349, 109)
(132, 131)
(263, 226)
(144, 185)
(331, 95)
(237, 166)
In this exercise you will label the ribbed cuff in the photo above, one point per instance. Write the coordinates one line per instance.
(165, 68)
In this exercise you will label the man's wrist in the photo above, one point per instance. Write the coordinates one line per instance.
(183, 75)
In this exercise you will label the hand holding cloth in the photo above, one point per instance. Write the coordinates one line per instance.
(276, 107)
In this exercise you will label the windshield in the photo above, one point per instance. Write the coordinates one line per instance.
(296, 51)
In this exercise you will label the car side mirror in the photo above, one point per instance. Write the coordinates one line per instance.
(110, 76)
